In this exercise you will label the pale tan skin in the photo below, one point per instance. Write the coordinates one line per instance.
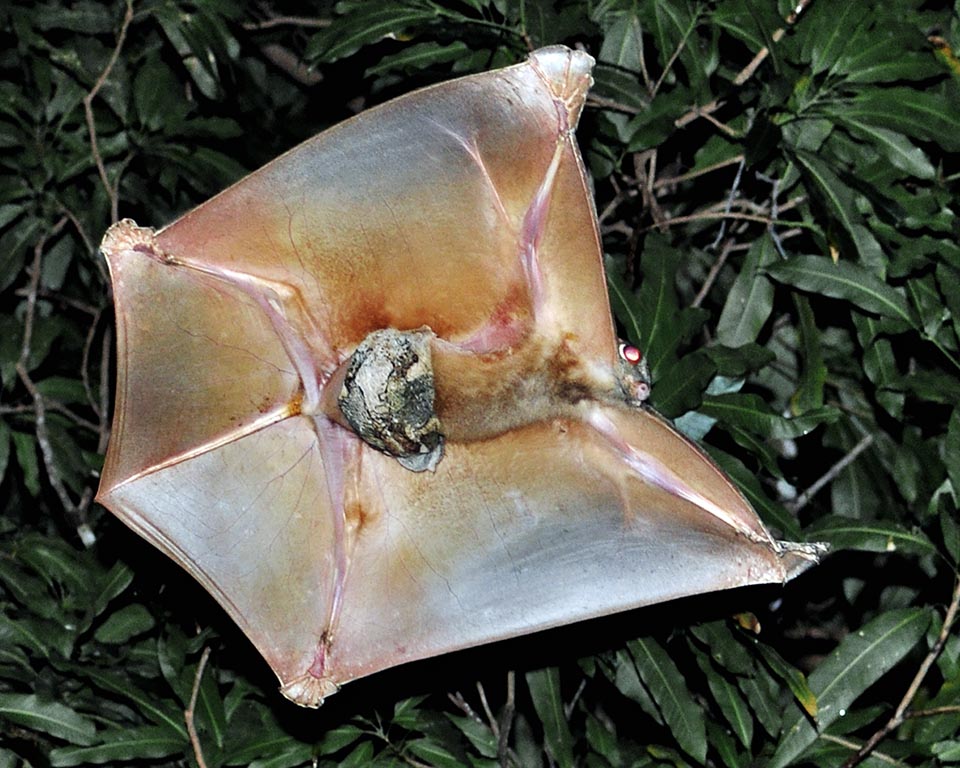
(462, 211)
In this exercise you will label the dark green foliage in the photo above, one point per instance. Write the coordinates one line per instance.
(782, 242)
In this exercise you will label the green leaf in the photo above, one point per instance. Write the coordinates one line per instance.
(364, 26)
(752, 413)
(843, 280)
(627, 680)
(920, 114)
(268, 744)
(210, 707)
(861, 658)
(762, 695)
(869, 536)
(658, 304)
(947, 751)
(113, 584)
(838, 197)
(680, 388)
(417, 57)
(157, 709)
(725, 746)
(895, 147)
(544, 687)
(25, 448)
(360, 757)
(50, 717)
(622, 41)
(950, 530)
(729, 701)
(603, 740)
(793, 677)
(770, 511)
(879, 362)
(874, 64)
(750, 299)
(407, 714)
(725, 649)
(623, 303)
(337, 738)
(830, 34)
(155, 96)
(813, 374)
(4, 448)
(479, 735)
(667, 687)
(122, 744)
(433, 753)
(734, 362)
(126, 623)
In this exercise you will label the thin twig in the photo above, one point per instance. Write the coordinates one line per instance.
(188, 712)
(491, 720)
(88, 111)
(899, 714)
(59, 298)
(724, 128)
(87, 242)
(85, 366)
(288, 21)
(76, 512)
(287, 61)
(666, 181)
(39, 405)
(105, 347)
(707, 215)
(33, 289)
(850, 744)
(568, 708)
(619, 197)
(73, 418)
(458, 699)
(645, 168)
(745, 74)
(831, 474)
(506, 722)
(728, 206)
(669, 65)
(712, 274)
(950, 709)
(697, 111)
(617, 106)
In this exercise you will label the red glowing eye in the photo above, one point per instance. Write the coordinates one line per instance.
(630, 354)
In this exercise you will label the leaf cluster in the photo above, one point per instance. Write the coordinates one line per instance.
(777, 190)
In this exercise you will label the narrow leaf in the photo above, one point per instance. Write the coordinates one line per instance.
(838, 197)
(49, 717)
(896, 147)
(869, 536)
(924, 115)
(750, 300)
(729, 701)
(544, 687)
(862, 658)
(121, 744)
(128, 622)
(665, 683)
(793, 677)
(752, 413)
(843, 280)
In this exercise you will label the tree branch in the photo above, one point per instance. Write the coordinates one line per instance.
(91, 123)
(900, 714)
